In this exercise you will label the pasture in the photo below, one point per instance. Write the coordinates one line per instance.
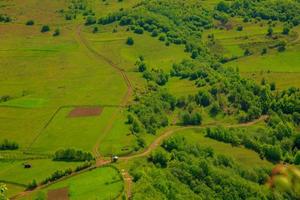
(102, 183)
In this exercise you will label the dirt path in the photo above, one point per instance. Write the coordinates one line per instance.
(125, 98)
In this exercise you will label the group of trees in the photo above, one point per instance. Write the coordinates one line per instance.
(8, 145)
(185, 170)
(72, 155)
(57, 175)
(285, 11)
(151, 111)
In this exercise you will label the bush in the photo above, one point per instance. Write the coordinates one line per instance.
(239, 28)
(130, 41)
(30, 23)
(45, 28)
(56, 32)
(90, 20)
(8, 145)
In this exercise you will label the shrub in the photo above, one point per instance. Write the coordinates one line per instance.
(8, 145)
(32, 185)
(90, 20)
(130, 41)
(239, 28)
(95, 29)
(45, 28)
(30, 23)
(56, 32)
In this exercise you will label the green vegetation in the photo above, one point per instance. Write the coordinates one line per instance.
(8, 145)
(72, 155)
(195, 99)
(102, 183)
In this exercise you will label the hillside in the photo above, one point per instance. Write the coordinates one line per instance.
(149, 99)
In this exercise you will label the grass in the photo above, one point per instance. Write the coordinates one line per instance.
(242, 155)
(14, 171)
(24, 102)
(120, 140)
(102, 183)
(181, 87)
(64, 131)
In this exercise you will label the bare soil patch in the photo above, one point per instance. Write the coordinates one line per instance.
(58, 194)
(85, 111)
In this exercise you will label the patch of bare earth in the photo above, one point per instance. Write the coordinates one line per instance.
(58, 194)
(85, 112)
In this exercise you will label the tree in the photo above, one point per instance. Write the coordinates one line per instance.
(223, 6)
(247, 52)
(56, 32)
(239, 28)
(90, 20)
(30, 23)
(264, 51)
(272, 86)
(160, 158)
(270, 31)
(215, 109)
(272, 153)
(130, 41)
(285, 30)
(95, 29)
(203, 98)
(45, 28)
(32, 185)
(297, 158)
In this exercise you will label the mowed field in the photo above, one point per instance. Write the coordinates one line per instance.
(103, 183)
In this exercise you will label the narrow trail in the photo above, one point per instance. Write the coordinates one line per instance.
(125, 98)
(127, 178)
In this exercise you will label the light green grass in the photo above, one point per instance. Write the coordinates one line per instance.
(156, 54)
(102, 184)
(24, 102)
(14, 171)
(288, 61)
(119, 140)
(181, 87)
(73, 132)
(13, 189)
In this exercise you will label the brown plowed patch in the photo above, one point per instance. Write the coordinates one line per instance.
(85, 112)
(58, 194)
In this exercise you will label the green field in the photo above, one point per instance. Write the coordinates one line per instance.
(103, 183)
(86, 60)
(14, 171)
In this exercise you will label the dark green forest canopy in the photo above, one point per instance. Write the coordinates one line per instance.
(185, 170)
(282, 10)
